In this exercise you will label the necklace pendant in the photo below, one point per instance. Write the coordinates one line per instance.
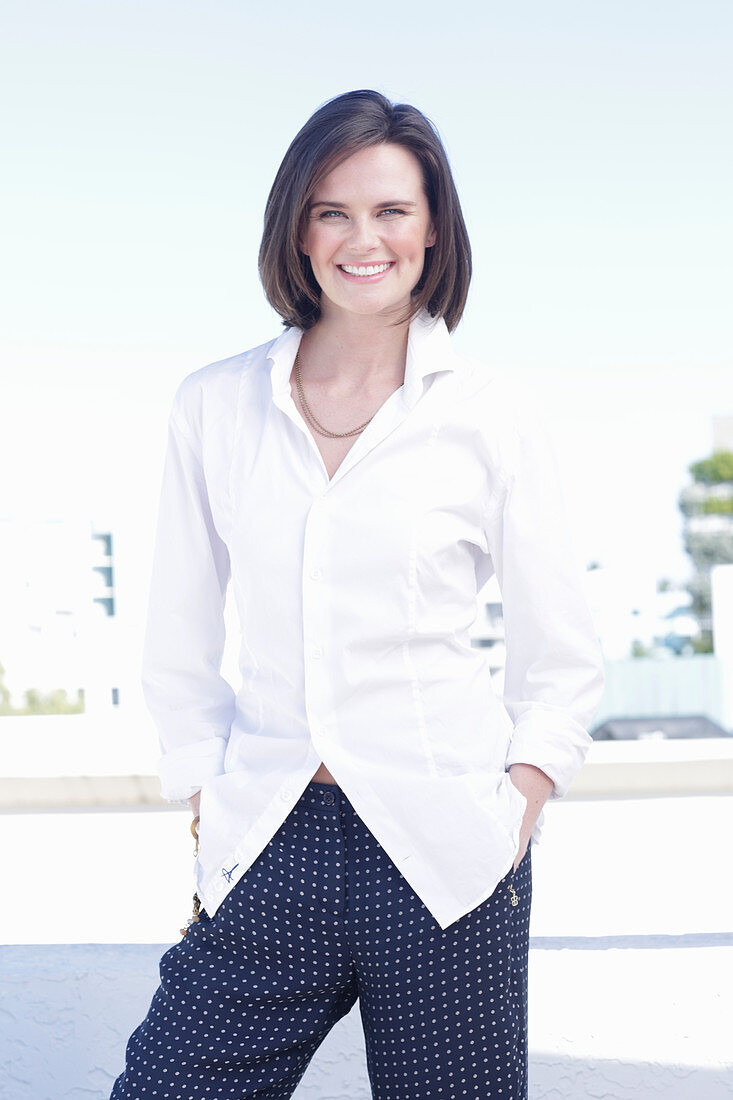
(515, 895)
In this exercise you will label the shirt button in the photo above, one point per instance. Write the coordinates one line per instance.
(286, 793)
(317, 651)
(316, 573)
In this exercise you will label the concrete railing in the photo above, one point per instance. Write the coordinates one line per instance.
(623, 1017)
(613, 769)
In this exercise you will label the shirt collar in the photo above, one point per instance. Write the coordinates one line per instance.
(429, 350)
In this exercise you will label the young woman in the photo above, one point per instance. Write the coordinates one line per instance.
(366, 800)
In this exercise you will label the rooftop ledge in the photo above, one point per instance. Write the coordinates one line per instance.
(647, 768)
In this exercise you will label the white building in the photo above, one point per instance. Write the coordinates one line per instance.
(58, 622)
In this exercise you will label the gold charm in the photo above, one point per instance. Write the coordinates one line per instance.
(194, 919)
(515, 895)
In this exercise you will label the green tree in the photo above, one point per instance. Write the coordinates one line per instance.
(713, 470)
(707, 542)
(4, 693)
(38, 702)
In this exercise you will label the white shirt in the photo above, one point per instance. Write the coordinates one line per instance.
(355, 597)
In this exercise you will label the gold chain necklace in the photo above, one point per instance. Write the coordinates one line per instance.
(309, 415)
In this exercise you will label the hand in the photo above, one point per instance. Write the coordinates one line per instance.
(195, 801)
(536, 788)
(524, 839)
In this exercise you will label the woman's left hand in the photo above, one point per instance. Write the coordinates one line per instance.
(536, 788)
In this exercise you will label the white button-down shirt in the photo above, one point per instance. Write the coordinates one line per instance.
(355, 597)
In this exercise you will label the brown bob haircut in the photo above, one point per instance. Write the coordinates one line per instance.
(343, 126)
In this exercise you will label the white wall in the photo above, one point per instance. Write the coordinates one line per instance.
(622, 1017)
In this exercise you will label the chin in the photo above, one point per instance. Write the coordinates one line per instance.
(370, 309)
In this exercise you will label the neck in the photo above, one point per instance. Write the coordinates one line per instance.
(359, 350)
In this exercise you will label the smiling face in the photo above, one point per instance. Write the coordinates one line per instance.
(368, 227)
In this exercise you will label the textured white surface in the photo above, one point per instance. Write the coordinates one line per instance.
(605, 1022)
(68, 1010)
(630, 1022)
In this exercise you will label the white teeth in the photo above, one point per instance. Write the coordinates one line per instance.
(372, 269)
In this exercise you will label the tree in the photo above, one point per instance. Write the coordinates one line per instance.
(713, 470)
(707, 505)
(38, 702)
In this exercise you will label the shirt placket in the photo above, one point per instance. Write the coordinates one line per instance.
(317, 637)
(319, 645)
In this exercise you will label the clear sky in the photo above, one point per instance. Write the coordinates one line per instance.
(591, 148)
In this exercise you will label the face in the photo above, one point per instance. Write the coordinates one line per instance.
(368, 227)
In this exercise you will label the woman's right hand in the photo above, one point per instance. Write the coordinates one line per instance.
(195, 801)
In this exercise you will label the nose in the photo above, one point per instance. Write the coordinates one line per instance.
(363, 237)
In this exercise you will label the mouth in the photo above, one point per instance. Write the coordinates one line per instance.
(365, 272)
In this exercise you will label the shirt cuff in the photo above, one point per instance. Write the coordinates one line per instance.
(559, 752)
(183, 771)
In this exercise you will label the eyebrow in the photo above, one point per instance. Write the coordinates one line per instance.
(379, 205)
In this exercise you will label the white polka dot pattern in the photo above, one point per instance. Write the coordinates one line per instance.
(321, 918)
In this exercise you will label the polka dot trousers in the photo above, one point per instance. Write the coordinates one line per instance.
(323, 918)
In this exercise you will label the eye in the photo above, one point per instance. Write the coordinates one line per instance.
(392, 210)
(327, 214)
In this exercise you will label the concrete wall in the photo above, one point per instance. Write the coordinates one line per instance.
(618, 1017)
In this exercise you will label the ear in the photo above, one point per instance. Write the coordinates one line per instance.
(431, 237)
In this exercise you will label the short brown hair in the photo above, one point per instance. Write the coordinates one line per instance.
(342, 126)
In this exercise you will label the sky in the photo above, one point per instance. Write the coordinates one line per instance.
(591, 149)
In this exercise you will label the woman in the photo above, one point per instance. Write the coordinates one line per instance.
(366, 802)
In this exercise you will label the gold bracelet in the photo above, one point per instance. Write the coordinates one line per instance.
(194, 830)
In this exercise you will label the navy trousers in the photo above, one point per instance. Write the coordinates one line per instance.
(323, 918)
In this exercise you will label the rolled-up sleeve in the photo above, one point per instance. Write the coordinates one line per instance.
(191, 703)
(554, 674)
